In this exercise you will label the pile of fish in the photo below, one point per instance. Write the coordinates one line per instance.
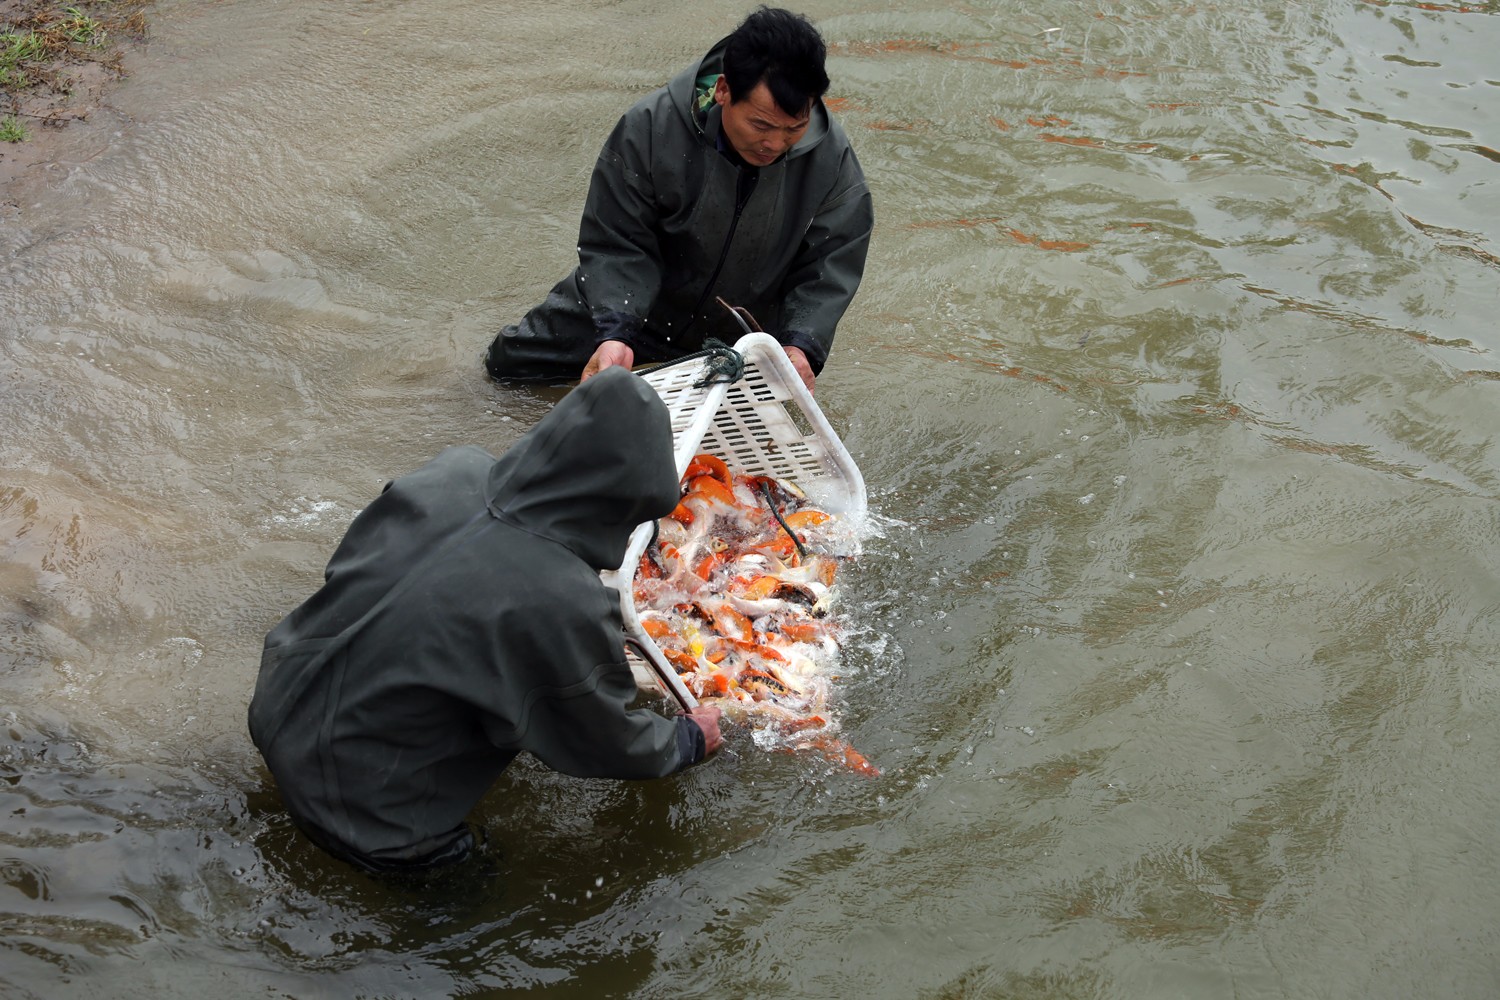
(736, 590)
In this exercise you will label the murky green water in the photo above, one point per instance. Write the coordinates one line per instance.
(1175, 369)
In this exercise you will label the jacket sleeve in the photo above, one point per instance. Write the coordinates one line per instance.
(828, 267)
(562, 689)
(619, 255)
(587, 730)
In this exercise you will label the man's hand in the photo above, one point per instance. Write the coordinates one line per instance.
(608, 355)
(799, 361)
(707, 717)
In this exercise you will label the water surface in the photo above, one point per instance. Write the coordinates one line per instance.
(1173, 375)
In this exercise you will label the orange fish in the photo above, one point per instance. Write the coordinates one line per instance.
(736, 591)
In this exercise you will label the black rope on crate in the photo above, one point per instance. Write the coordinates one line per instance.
(765, 490)
(722, 364)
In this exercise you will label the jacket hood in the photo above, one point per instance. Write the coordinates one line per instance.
(682, 86)
(599, 464)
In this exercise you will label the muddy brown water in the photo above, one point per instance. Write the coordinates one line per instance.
(1174, 377)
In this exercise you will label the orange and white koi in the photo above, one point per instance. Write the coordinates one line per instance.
(737, 591)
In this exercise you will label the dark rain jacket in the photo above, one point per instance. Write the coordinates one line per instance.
(463, 620)
(671, 223)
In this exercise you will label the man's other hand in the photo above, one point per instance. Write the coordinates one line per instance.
(608, 355)
(707, 717)
(799, 361)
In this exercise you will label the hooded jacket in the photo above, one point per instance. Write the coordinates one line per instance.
(671, 223)
(461, 621)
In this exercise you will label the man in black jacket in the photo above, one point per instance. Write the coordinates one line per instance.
(462, 620)
(733, 181)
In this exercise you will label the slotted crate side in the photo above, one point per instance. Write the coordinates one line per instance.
(764, 424)
(798, 443)
(692, 408)
(768, 424)
(674, 385)
(762, 440)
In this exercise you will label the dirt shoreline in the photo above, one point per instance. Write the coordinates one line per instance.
(66, 90)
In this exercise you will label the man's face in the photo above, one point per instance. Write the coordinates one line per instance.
(756, 126)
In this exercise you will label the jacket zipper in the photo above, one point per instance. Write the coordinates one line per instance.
(744, 188)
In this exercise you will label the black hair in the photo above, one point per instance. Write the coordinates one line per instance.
(785, 51)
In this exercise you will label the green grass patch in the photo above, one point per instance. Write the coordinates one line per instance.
(17, 50)
(44, 37)
(11, 129)
(80, 29)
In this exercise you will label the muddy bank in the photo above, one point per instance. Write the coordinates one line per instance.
(82, 52)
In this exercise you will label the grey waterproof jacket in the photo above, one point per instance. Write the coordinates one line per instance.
(671, 224)
(462, 620)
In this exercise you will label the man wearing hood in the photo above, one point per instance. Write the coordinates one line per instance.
(462, 620)
(733, 181)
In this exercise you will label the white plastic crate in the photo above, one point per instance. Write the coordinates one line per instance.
(764, 424)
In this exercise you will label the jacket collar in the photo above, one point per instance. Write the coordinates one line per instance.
(682, 87)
